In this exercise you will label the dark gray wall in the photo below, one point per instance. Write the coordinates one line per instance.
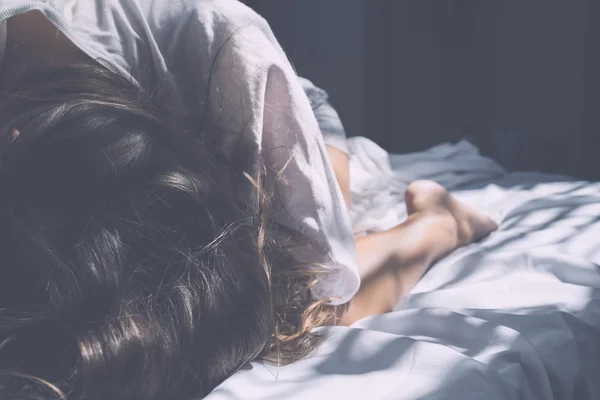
(528, 72)
(410, 77)
(521, 78)
(591, 139)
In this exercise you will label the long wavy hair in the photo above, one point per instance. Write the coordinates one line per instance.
(136, 261)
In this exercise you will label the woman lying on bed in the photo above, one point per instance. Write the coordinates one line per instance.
(168, 210)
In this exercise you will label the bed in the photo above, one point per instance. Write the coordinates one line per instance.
(515, 316)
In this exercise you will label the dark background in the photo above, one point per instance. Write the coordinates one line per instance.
(519, 78)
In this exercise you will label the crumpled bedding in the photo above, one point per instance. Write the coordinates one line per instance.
(515, 316)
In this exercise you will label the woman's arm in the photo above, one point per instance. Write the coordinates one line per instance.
(334, 135)
(392, 262)
(341, 168)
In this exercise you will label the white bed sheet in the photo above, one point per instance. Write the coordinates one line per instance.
(516, 316)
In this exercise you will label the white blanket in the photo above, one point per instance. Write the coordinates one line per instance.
(516, 316)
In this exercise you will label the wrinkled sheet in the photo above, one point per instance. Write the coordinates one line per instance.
(516, 316)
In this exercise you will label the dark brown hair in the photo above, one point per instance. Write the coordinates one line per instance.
(136, 261)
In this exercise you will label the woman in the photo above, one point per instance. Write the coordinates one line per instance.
(168, 208)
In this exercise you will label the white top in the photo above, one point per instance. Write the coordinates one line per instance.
(222, 51)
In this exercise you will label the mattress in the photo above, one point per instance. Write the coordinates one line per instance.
(515, 316)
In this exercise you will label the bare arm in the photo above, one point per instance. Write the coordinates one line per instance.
(341, 168)
(392, 262)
